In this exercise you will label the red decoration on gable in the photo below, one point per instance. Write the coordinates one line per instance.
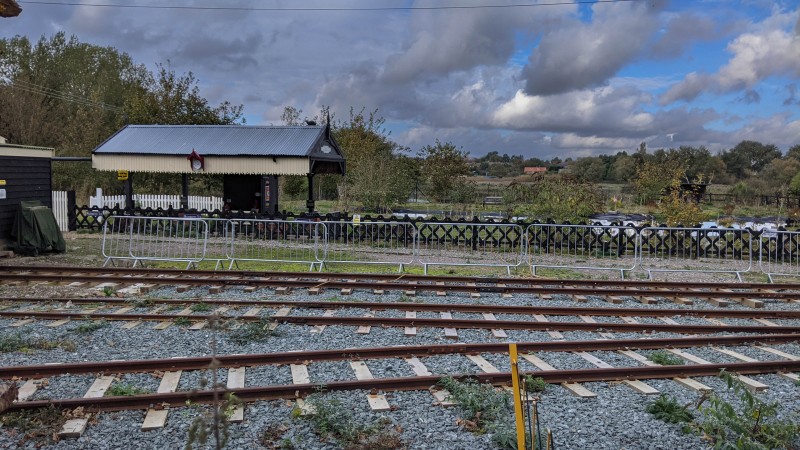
(196, 160)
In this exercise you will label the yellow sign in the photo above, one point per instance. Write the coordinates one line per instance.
(122, 175)
(2, 182)
(356, 219)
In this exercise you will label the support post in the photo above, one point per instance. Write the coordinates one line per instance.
(72, 215)
(310, 201)
(519, 419)
(129, 192)
(185, 191)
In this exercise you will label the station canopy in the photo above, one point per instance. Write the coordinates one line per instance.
(224, 149)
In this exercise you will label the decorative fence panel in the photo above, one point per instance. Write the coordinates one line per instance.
(391, 243)
(711, 250)
(470, 244)
(585, 247)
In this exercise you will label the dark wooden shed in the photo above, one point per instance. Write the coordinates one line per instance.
(25, 174)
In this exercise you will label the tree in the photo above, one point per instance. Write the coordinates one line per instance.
(557, 197)
(375, 175)
(749, 157)
(444, 169)
(794, 152)
(653, 178)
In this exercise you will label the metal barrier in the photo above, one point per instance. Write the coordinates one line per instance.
(711, 250)
(219, 241)
(154, 239)
(389, 243)
(470, 244)
(284, 241)
(779, 253)
(582, 247)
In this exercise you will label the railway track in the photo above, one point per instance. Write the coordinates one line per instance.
(423, 379)
(406, 283)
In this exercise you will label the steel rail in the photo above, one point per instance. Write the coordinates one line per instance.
(326, 276)
(423, 322)
(311, 356)
(275, 392)
(452, 307)
(406, 286)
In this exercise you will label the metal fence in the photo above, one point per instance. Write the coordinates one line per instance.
(621, 248)
(470, 244)
(779, 253)
(710, 250)
(154, 239)
(260, 240)
(388, 243)
(582, 247)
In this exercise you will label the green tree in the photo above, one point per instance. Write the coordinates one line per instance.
(749, 157)
(557, 197)
(375, 175)
(444, 169)
(794, 152)
(653, 178)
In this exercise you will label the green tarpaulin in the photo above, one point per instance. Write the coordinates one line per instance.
(35, 230)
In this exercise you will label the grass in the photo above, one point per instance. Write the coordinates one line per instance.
(18, 343)
(124, 390)
(201, 307)
(252, 332)
(665, 358)
(90, 327)
(334, 421)
(182, 321)
(668, 410)
(38, 425)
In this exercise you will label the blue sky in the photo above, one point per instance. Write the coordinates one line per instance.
(545, 81)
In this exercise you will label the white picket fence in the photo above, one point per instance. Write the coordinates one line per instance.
(145, 201)
(60, 209)
(156, 201)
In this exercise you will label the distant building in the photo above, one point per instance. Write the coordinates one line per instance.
(532, 170)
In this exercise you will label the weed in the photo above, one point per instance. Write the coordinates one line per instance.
(750, 424)
(405, 298)
(481, 403)
(252, 332)
(333, 299)
(109, 291)
(214, 422)
(182, 321)
(271, 436)
(90, 327)
(668, 410)
(39, 425)
(124, 390)
(18, 343)
(144, 303)
(534, 384)
(665, 358)
(332, 420)
(201, 307)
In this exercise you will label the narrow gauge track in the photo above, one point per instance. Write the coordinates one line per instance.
(274, 392)
(404, 351)
(399, 322)
(30, 274)
(416, 306)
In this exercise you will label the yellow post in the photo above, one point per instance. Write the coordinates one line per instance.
(520, 420)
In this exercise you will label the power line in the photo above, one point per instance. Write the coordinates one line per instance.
(327, 9)
(61, 95)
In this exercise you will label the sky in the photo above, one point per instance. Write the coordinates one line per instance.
(539, 78)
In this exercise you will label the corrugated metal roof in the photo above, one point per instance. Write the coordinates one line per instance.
(222, 140)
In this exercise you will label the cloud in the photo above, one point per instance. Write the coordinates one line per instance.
(681, 31)
(582, 55)
(446, 41)
(771, 49)
(750, 96)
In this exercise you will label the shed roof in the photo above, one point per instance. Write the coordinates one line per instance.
(216, 140)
